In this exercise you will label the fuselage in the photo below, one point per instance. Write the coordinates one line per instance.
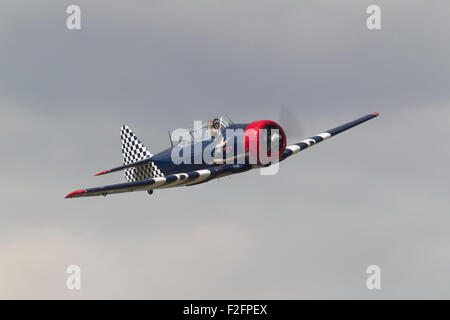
(194, 153)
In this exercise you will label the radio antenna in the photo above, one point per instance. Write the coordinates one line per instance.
(170, 138)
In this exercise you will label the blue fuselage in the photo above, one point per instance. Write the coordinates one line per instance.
(193, 153)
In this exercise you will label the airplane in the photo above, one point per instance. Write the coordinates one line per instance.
(145, 171)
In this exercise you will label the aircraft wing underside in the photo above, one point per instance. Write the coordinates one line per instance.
(169, 181)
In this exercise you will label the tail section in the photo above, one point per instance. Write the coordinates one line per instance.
(133, 151)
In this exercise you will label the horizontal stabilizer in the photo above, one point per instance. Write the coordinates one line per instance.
(125, 166)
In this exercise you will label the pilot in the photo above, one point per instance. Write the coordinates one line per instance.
(214, 127)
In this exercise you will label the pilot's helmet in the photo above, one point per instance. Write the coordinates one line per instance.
(216, 123)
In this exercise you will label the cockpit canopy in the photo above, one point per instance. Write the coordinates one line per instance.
(204, 130)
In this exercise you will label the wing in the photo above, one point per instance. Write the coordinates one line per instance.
(302, 145)
(174, 180)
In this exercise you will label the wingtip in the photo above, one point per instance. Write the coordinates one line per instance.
(103, 172)
(376, 114)
(74, 193)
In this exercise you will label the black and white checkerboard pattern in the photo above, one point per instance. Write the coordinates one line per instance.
(132, 151)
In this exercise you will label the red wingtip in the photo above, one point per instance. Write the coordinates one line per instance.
(376, 113)
(103, 172)
(70, 195)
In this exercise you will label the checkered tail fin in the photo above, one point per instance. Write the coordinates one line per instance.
(133, 151)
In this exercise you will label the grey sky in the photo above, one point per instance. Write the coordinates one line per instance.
(377, 194)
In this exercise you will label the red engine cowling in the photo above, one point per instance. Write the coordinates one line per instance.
(254, 134)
